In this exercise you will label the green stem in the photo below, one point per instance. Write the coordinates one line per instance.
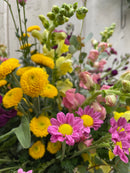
(15, 79)
(10, 168)
(63, 150)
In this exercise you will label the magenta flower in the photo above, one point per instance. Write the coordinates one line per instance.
(72, 100)
(66, 128)
(20, 170)
(120, 131)
(90, 118)
(22, 2)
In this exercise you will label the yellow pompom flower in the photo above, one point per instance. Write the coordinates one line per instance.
(3, 82)
(40, 125)
(8, 66)
(21, 70)
(63, 66)
(24, 35)
(49, 91)
(34, 27)
(42, 59)
(12, 97)
(37, 150)
(33, 81)
(53, 147)
(24, 46)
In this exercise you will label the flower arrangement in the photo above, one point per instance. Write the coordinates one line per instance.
(60, 113)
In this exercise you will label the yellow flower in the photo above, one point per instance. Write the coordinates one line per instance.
(24, 35)
(24, 46)
(125, 115)
(42, 59)
(47, 52)
(37, 150)
(53, 147)
(33, 81)
(34, 27)
(63, 86)
(128, 108)
(40, 125)
(3, 82)
(12, 97)
(21, 70)
(62, 48)
(8, 66)
(49, 91)
(63, 66)
(111, 155)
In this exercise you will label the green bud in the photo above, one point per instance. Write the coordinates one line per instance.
(125, 76)
(62, 11)
(55, 9)
(37, 35)
(81, 12)
(51, 15)
(66, 6)
(60, 19)
(44, 21)
(75, 6)
(126, 85)
(71, 13)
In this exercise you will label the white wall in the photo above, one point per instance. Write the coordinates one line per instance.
(102, 13)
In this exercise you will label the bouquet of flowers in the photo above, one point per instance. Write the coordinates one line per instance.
(61, 112)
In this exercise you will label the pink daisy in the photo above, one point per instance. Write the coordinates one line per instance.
(120, 131)
(20, 170)
(90, 118)
(66, 128)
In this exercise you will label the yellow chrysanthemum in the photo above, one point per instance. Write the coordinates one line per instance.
(34, 27)
(49, 91)
(53, 147)
(24, 46)
(12, 97)
(125, 115)
(63, 66)
(21, 70)
(24, 35)
(3, 82)
(33, 81)
(8, 66)
(42, 59)
(40, 125)
(128, 108)
(37, 150)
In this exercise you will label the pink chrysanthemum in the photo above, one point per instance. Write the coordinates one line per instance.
(90, 118)
(120, 131)
(66, 128)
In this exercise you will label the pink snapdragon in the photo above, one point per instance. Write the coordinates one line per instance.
(66, 128)
(2, 59)
(93, 55)
(120, 131)
(100, 64)
(103, 46)
(20, 170)
(97, 107)
(72, 100)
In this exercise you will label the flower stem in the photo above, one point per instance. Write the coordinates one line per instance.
(63, 150)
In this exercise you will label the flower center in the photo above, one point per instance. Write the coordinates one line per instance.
(65, 129)
(87, 120)
(119, 144)
(36, 149)
(120, 129)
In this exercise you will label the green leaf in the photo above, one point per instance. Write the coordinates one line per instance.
(82, 56)
(72, 49)
(121, 167)
(23, 133)
(103, 55)
(89, 36)
(5, 136)
(74, 41)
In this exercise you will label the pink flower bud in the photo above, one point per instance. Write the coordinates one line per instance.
(103, 46)
(86, 80)
(93, 55)
(72, 100)
(99, 97)
(99, 108)
(22, 2)
(111, 100)
(100, 65)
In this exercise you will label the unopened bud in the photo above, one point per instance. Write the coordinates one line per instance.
(37, 35)
(126, 85)
(55, 9)
(81, 12)
(44, 21)
(75, 6)
(125, 76)
(51, 15)
(111, 100)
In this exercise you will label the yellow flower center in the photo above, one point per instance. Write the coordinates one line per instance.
(36, 149)
(120, 130)
(119, 144)
(87, 120)
(65, 129)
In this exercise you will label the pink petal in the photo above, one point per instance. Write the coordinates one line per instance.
(70, 118)
(61, 118)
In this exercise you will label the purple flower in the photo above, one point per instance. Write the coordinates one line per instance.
(113, 51)
(120, 131)
(66, 128)
(91, 118)
(114, 72)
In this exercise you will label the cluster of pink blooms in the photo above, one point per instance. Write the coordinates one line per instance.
(73, 129)
(120, 131)
(20, 170)
(3, 58)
